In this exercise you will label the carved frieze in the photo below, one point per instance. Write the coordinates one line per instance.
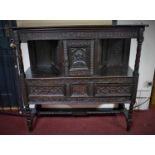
(83, 34)
(55, 81)
(56, 91)
(112, 90)
(77, 100)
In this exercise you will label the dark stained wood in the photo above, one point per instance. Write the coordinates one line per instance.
(78, 32)
(140, 40)
(108, 71)
(152, 99)
(80, 65)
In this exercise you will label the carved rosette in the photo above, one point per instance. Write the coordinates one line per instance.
(78, 58)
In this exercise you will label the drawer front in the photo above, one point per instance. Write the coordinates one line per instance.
(79, 90)
(112, 90)
(52, 91)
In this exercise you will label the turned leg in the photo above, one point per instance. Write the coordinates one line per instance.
(121, 106)
(140, 39)
(129, 123)
(129, 117)
(29, 118)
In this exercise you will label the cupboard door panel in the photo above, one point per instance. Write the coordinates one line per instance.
(79, 57)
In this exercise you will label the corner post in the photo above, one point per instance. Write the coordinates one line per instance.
(22, 84)
(140, 39)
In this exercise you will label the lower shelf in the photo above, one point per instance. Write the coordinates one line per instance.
(76, 101)
(78, 111)
(39, 111)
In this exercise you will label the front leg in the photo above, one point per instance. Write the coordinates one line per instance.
(128, 117)
(29, 118)
(129, 124)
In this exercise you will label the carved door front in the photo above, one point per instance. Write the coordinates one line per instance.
(78, 56)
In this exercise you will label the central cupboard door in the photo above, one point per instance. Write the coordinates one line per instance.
(79, 57)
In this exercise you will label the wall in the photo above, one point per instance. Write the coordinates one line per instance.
(147, 63)
(29, 23)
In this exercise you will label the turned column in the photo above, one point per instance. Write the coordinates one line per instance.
(23, 86)
(16, 42)
(140, 40)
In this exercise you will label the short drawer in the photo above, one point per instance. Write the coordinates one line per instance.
(52, 90)
(79, 90)
(112, 90)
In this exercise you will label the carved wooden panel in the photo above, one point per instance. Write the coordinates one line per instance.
(81, 80)
(79, 90)
(78, 57)
(112, 90)
(77, 33)
(52, 91)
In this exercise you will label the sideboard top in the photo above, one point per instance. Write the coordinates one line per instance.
(80, 27)
(78, 32)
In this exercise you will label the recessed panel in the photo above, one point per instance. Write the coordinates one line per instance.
(79, 90)
(52, 91)
(112, 90)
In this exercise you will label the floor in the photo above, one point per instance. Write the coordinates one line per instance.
(144, 123)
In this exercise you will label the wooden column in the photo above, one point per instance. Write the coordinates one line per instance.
(23, 85)
(20, 67)
(140, 40)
